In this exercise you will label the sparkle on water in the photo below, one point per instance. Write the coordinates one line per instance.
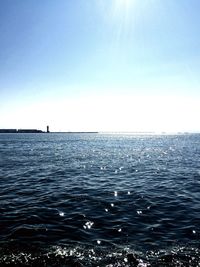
(92, 215)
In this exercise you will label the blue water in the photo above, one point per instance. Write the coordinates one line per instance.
(99, 200)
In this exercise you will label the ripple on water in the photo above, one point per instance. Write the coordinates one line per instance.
(141, 192)
(96, 256)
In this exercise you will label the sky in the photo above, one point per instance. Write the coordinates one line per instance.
(100, 65)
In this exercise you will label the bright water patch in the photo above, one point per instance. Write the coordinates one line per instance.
(99, 200)
(87, 256)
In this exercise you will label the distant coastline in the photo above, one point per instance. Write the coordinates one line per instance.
(28, 131)
(20, 131)
(39, 131)
(76, 132)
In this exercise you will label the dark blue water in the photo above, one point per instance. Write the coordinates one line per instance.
(99, 200)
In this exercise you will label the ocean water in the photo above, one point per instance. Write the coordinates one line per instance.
(99, 200)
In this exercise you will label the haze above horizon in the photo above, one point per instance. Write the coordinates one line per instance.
(99, 65)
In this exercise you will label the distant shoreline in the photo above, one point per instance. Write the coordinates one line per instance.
(76, 132)
(34, 131)
(29, 131)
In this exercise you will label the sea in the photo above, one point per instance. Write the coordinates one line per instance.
(108, 200)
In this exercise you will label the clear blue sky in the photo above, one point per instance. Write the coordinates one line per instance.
(102, 65)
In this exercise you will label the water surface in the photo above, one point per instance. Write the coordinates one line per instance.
(99, 200)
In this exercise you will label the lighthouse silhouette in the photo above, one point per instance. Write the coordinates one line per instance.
(47, 128)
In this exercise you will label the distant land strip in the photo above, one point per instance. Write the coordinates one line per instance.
(20, 131)
(92, 132)
(38, 131)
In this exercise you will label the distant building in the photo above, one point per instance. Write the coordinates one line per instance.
(48, 129)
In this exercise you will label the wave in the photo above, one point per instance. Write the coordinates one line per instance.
(88, 256)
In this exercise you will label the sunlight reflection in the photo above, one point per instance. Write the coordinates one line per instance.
(88, 225)
(61, 213)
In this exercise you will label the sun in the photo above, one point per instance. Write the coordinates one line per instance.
(123, 8)
(120, 15)
(124, 3)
